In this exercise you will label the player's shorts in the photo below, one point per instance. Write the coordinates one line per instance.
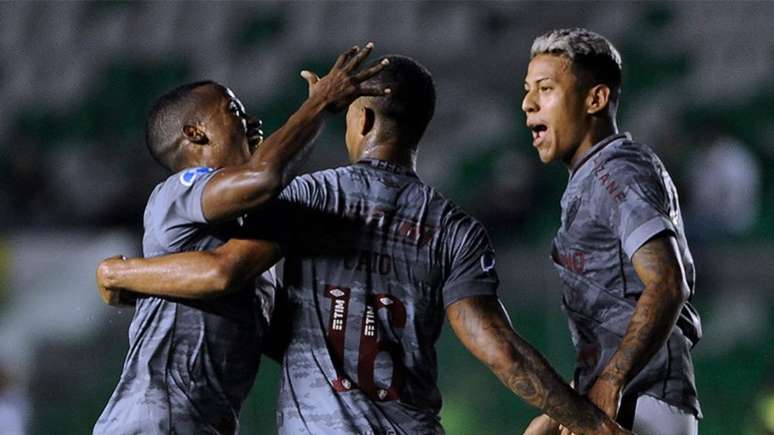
(654, 417)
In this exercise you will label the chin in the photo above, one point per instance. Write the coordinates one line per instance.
(546, 156)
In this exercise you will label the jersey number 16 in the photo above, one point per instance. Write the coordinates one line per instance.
(370, 346)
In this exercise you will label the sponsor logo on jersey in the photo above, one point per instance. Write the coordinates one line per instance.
(188, 176)
(601, 174)
(573, 260)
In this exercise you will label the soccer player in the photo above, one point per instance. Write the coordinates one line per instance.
(374, 261)
(620, 250)
(190, 363)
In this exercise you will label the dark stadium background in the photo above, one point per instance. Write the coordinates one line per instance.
(76, 80)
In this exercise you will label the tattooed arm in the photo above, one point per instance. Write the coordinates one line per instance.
(482, 325)
(658, 265)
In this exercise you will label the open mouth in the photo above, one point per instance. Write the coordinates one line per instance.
(538, 133)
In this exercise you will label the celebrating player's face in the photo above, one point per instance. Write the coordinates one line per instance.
(227, 126)
(554, 105)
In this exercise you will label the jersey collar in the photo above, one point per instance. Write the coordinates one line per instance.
(596, 147)
(386, 166)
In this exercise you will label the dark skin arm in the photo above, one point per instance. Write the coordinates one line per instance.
(188, 275)
(482, 325)
(234, 190)
(658, 265)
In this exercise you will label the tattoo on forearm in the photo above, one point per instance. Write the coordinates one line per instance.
(523, 371)
(656, 311)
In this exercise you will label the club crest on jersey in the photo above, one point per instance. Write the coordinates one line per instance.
(188, 176)
(488, 261)
(572, 211)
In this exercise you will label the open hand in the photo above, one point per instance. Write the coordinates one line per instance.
(343, 84)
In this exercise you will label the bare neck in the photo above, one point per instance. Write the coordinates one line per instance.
(391, 151)
(599, 129)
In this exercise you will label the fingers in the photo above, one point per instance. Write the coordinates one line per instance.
(372, 71)
(358, 58)
(344, 57)
(253, 122)
(374, 90)
(311, 79)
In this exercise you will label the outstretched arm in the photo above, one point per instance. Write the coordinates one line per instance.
(189, 275)
(233, 191)
(658, 265)
(482, 325)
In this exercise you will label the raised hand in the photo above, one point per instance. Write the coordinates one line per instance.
(343, 83)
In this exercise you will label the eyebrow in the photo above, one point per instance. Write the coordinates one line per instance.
(537, 82)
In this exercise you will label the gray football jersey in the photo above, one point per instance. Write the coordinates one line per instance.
(618, 197)
(373, 258)
(190, 364)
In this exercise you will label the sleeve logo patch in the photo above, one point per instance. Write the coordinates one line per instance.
(488, 261)
(188, 176)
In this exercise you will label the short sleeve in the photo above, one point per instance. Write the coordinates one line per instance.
(176, 206)
(184, 194)
(472, 263)
(632, 196)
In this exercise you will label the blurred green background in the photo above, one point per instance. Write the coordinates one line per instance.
(76, 80)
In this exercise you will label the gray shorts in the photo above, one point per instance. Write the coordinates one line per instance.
(654, 417)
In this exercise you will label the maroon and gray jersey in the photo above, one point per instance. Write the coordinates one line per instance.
(618, 197)
(373, 258)
(190, 363)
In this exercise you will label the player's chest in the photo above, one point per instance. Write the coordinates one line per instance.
(583, 238)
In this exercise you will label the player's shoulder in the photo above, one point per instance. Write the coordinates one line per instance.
(627, 156)
(307, 186)
(176, 185)
(324, 176)
(455, 221)
(321, 175)
(184, 179)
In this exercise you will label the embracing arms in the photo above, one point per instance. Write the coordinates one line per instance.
(188, 275)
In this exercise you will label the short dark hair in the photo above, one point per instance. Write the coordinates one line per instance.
(594, 59)
(411, 103)
(165, 121)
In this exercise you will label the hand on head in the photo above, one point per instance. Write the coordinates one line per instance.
(343, 83)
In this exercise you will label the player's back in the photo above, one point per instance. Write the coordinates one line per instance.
(190, 364)
(375, 257)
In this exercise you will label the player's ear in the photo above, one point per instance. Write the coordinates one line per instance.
(195, 134)
(369, 118)
(597, 99)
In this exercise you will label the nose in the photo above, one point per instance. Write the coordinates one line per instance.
(528, 104)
